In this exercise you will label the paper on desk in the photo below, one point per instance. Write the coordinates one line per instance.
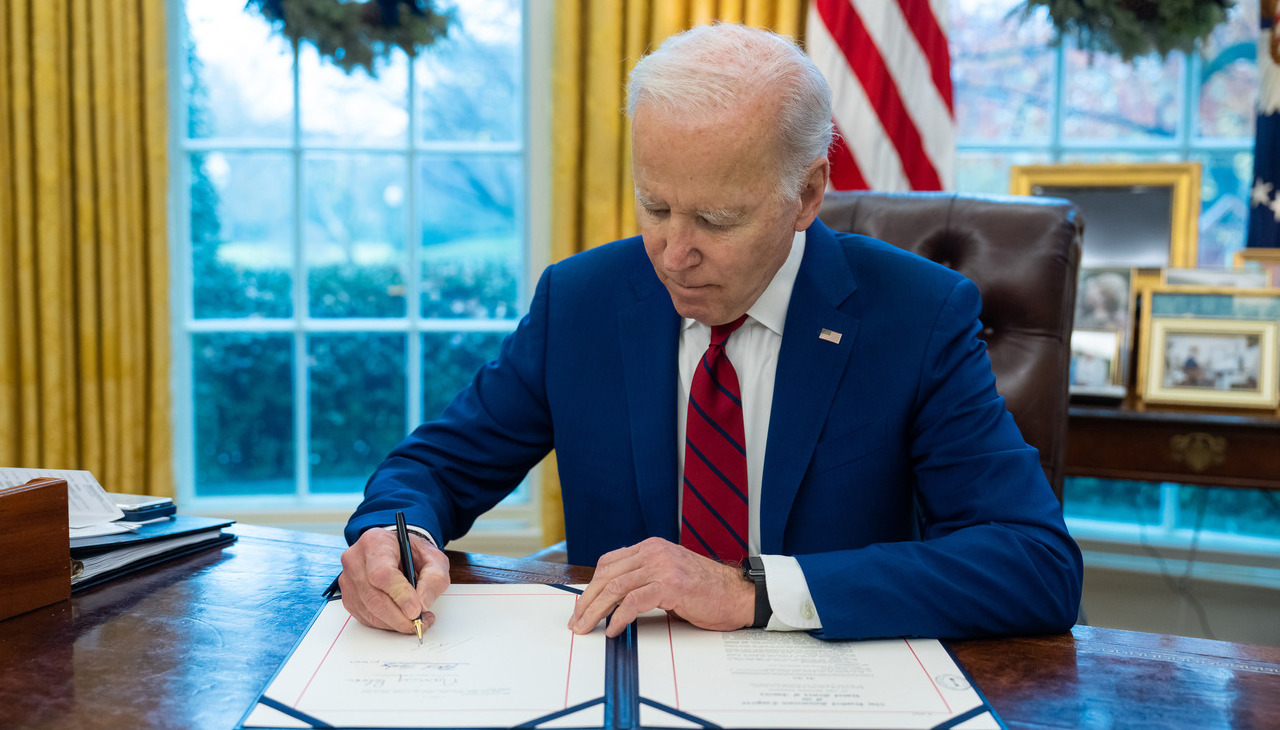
(496, 656)
(758, 679)
(103, 528)
(87, 502)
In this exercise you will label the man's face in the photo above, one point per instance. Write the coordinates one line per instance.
(713, 224)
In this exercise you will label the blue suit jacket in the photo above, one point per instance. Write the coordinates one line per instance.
(893, 471)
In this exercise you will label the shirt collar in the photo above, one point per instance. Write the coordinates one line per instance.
(770, 308)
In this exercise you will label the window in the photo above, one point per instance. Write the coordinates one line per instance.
(1021, 100)
(348, 250)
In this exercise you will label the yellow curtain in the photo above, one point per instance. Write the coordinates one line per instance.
(84, 315)
(597, 43)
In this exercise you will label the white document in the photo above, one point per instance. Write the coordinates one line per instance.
(497, 656)
(758, 679)
(87, 502)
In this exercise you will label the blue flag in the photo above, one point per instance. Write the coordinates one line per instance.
(1264, 199)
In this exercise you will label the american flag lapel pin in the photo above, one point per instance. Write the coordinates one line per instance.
(829, 336)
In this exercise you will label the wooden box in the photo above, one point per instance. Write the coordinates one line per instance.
(35, 552)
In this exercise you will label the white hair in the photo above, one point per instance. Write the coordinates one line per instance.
(710, 68)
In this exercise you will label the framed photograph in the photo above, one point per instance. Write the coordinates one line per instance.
(1104, 300)
(1209, 346)
(1097, 364)
(1135, 215)
(1104, 320)
(1226, 278)
(1266, 260)
(1228, 363)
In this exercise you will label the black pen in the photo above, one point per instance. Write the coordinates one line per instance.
(406, 563)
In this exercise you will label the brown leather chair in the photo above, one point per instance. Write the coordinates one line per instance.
(1023, 254)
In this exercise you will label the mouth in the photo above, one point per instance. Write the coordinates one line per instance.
(689, 287)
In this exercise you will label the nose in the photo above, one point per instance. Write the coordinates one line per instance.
(681, 250)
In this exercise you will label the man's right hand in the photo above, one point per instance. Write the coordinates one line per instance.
(377, 593)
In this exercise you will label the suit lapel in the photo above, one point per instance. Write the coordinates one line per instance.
(649, 331)
(809, 369)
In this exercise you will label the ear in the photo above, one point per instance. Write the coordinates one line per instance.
(815, 186)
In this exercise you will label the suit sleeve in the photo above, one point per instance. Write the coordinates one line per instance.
(450, 471)
(994, 556)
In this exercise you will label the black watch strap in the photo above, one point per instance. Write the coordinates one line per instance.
(753, 570)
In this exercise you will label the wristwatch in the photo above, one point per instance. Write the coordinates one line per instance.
(753, 570)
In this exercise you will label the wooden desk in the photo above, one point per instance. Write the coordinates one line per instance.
(192, 643)
(1206, 449)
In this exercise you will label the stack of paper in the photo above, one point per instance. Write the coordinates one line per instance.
(105, 542)
(102, 557)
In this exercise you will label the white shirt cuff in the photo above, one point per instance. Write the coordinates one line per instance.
(789, 596)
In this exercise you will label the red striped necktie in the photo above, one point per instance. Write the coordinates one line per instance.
(713, 520)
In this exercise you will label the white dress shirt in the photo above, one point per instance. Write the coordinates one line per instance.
(753, 350)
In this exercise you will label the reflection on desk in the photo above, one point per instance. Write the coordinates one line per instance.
(192, 643)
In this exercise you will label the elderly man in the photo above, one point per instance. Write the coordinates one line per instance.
(758, 422)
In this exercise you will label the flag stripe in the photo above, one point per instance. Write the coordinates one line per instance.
(865, 141)
(888, 65)
(845, 174)
(924, 26)
(910, 71)
(868, 65)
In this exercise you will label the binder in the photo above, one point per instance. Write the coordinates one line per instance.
(103, 557)
(621, 704)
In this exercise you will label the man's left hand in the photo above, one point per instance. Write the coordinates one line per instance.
(660, 574)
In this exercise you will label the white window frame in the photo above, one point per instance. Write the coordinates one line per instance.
(329, 512)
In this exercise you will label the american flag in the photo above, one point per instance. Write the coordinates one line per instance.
(1264, 209)
(890, 75)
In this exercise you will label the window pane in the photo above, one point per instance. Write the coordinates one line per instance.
(1224, 206)
(1235, 511)
(449, 362)
(241, 251)
(471, 255)
(357, 406)
(988, 172)
(1110, 99)
(470, 83)
(1002, 72)
(244, 413)
(1107, 499)
(239, 75)
(355, 228)
(1229, 75)
(353, 109)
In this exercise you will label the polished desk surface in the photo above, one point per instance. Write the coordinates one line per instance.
(191, 644)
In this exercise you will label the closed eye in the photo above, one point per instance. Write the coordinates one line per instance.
(720, 219)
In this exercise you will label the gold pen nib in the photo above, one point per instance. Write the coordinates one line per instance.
(417, 624)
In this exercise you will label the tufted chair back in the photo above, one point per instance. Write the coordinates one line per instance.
(1023, 254)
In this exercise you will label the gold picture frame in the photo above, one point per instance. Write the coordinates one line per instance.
(1267, 259)
(1180, 372)
(1236, 334)
(1107, 194)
